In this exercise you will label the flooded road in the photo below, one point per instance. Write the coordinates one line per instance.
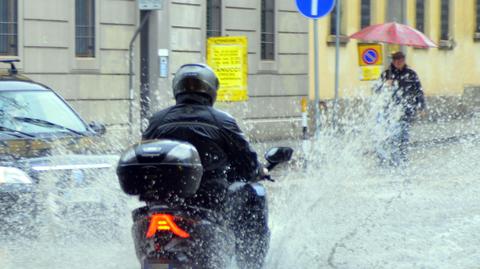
(344, 211)
(351, 214)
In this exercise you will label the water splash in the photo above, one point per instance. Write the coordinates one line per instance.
(343, 211)
(346, 211)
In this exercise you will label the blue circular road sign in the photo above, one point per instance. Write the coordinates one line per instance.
(370, 56)
(315, 9)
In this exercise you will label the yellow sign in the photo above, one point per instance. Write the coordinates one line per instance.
(370, 54)
(372, 72)
(228, 56)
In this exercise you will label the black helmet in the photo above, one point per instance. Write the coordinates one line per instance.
(196, 78)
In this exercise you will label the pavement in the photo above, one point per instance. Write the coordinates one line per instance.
(342, 212)
(422, 133)
(428, 132)
(345, 211)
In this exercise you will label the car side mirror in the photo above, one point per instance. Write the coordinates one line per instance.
(279, 155)
(98, 128)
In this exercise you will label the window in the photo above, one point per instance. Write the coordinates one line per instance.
(333, 19)
(365, 13)
(43, 105)
(477, 7)
(445, 20)
(85, 28)
(214, 18)
(420, 16)
(268, 30)
(8, 28)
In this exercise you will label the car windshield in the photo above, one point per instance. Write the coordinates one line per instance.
(45, 106)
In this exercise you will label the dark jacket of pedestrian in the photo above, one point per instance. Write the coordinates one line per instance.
(407, 90)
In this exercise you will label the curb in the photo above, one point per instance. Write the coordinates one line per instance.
(444, 141)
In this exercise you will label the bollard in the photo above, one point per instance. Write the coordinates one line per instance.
(304, 130)
(304, 118)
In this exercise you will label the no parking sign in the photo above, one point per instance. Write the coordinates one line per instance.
(370, 59)
(370, 54)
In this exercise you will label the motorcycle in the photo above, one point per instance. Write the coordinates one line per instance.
(171, 233)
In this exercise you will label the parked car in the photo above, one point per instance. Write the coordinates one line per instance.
(49, 161)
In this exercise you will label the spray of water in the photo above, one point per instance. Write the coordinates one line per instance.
(342, 211)
(347, 211)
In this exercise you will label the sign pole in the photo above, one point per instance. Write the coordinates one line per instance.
(316, 9)
(316, 78)
(337, 62)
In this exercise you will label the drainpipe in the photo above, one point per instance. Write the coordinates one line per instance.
(130, 75)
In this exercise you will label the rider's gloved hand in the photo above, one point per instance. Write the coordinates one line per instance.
(263, 174)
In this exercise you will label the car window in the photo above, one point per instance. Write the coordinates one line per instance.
(43, 105)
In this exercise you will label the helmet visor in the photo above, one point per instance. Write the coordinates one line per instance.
(192, 85)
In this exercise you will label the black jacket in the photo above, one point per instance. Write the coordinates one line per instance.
(223, 148)
(407, 91)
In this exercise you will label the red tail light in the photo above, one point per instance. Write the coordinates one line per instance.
(165, 222)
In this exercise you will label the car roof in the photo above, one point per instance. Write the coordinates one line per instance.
(19, 83)
(10, 79)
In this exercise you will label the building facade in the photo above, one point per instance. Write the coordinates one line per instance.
(449, 73)
(77, 47)
(277, 57)
(81, 49)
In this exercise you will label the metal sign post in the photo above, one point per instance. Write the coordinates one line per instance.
(316, 78)
(315, 9)
(337, 62)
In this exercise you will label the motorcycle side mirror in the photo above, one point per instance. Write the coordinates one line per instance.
(98, 128)
(279, 155)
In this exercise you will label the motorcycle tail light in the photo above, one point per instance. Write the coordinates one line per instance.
(165, 223)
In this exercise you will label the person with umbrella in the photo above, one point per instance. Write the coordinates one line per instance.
(400, 84)
(405, 99)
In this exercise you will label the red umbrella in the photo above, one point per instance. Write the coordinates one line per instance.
(395, 33)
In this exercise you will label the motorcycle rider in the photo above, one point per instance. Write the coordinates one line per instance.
(226, 155)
